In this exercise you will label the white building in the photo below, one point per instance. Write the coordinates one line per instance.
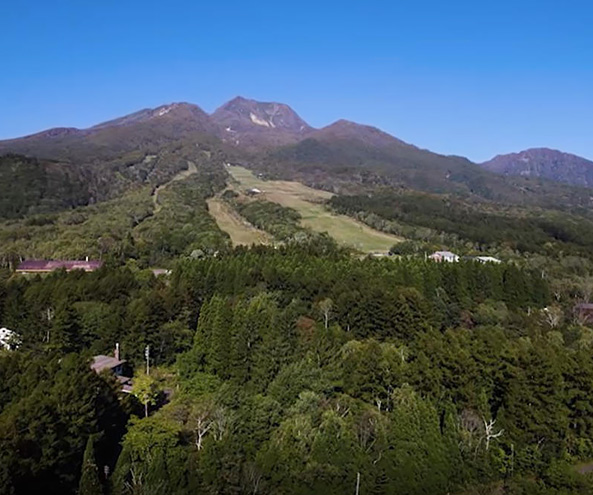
(487, 259)
(444, 256)
(8, 339)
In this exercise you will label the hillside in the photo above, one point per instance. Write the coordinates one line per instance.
(308, 207)
(66, 168)
(147, 129)
(546, 164)
(346, 157)
(30, 186)
(144, 148)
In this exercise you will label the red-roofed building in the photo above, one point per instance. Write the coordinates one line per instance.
(45, 266)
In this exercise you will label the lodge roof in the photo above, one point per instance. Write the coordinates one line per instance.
(52, 265)
(584, 306)
(102, 362)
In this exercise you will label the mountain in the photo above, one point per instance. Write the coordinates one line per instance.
(544, 163)
(185, 116)
(345, 153)
(347, 130)
(147, 147)
(147, 129)
(152, 145)
(253, 124)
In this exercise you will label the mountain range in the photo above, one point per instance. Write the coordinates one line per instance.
(273, 139)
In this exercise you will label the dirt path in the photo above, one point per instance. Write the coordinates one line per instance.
(184, 174)
(242, 233)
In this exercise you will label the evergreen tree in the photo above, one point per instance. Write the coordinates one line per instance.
(65, 329)
(90, 483)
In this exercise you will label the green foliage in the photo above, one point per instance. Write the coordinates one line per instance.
(280, 221)
(145, 389)
(90, 483)
(153, 460)
(29, 186)
(131, 224)
(296, 368)
(447, 220)
(54, 405)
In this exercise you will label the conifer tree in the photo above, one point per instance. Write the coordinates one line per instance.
(90, 483)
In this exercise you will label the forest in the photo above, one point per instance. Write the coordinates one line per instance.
(449, 220)
(125, 227)
(298, 369)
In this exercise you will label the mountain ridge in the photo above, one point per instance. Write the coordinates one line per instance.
(545, 163)
(273, 139)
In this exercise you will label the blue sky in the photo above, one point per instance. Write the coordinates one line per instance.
(474, 78)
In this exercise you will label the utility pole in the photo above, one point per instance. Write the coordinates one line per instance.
(147, 356)
(357, 483)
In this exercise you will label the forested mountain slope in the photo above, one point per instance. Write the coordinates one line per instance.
(145, 130)
(145, 148)
(348, 157)
(545, 163)
(30, 186)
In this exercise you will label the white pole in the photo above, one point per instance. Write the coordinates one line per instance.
(147, 355)
(357, 483)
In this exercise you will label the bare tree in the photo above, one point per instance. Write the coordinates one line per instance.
(325, 306)
(581, 318)
(48, 315)
(253, 475)
(476, 430)
(207, 419)
(552, 316)
(200, 422)
(470, 425)
(403, 354)
(586, 289)
(222, 421)
(367, 430)
(489, 433)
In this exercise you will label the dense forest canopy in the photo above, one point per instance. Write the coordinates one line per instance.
(445, 219)
(293, 370)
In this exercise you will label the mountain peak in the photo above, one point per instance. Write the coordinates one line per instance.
(347, 130)
(179, 110)
(241, 113)
(544, 163)
(253, 123)
(346, 124)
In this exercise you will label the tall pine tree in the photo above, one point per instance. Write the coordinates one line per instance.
(90, 483)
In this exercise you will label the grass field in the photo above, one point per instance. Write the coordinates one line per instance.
(309, 203)
(241, 232)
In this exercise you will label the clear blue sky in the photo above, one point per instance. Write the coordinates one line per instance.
(474, 78)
